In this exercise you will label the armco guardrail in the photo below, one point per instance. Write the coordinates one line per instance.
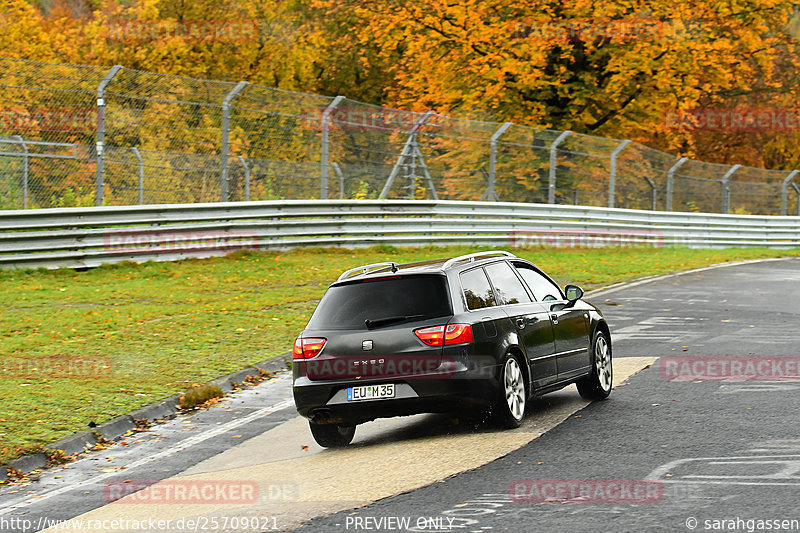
(87, 237)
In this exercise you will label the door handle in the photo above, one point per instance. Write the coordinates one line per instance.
(521, 323)
(554, 318)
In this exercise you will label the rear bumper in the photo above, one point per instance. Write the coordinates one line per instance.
(326, 402)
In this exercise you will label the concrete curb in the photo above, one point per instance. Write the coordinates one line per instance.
(119, 426)
(29, 462)
(116, 427)
(76, 443)
(159, 410)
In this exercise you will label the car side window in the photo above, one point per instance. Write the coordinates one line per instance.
(542, 288)
(509, 288)
(477, 291)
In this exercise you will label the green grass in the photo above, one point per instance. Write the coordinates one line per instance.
(150, 330)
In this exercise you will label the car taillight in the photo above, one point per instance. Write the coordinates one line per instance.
(307, 348)
(457, 333)
(445, 335)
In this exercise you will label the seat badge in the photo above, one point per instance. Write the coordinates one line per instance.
(366, 345)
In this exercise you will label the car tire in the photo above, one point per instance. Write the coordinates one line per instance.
(597, 385)
(332, 435)
(509, 410)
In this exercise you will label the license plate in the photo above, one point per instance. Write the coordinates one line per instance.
(370, 392)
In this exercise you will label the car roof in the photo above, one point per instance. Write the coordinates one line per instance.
(436, 265)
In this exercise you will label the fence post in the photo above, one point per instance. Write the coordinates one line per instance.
(797, 190)
(24, 170)
(491, 195)
(226, 131)
(671, 180)
(101, 133)
(141, 173)
(726, 189)
(653, 193)
(324, 155)
(785, 191)
(246, 168)
(339, 174)
(551, 190)
(612, 179)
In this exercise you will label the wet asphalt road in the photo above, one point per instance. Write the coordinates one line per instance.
(723, 454)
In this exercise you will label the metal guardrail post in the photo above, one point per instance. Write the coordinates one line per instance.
(551, 188)
(612, 178)
(339, 174)
(671, 180)
(246, 168)
(785, 192)
(141, 173)
(226, 131)
(325, 148)
(726, 189)
(490, 194)
(101, 133)
(24, 170)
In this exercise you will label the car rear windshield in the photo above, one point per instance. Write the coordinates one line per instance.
(382, 302)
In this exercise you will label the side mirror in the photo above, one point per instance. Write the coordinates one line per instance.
(574, 293)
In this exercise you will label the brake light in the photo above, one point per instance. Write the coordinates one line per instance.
(445, 335)
(307, 348)
(457, 333)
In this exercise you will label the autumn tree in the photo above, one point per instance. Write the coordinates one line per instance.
(599, 67)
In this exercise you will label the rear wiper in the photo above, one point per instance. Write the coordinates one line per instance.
(389, 320)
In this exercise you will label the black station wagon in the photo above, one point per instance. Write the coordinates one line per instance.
(480, 332)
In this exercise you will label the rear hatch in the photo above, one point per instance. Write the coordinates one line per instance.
(369, 327)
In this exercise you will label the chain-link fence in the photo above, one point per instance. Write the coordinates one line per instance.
(74, 135)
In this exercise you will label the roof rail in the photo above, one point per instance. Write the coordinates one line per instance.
(479, 255)
(366, 269)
